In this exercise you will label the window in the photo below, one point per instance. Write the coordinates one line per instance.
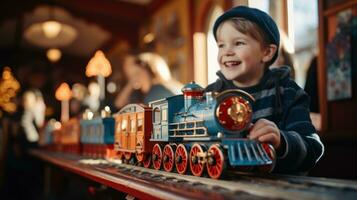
(140, 124)
(124, 125)
(212, 49)
(164, 115)
(132, 125)
(118, 126)
(157, 115)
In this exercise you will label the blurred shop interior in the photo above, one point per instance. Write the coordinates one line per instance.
(47, 43)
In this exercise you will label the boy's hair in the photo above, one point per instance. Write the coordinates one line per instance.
(252, 29)
(261, 19)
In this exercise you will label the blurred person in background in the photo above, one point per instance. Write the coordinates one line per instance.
(33, 116)
(76, 104)
(149, 79)
(23, 173)
(92, 100)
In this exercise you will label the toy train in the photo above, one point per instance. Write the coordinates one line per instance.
(189, 133)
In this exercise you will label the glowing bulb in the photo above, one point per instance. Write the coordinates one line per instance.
(149, 38)
(54, 55)
(57, 125)
(51, 29)
(90, 115)
(111, 87)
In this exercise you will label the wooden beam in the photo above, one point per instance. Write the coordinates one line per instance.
(110, 9)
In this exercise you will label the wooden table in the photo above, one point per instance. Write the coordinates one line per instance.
(145, 183)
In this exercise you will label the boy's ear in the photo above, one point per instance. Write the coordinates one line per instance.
(269, 52)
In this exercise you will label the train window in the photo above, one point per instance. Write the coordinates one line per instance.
(164, 115)
(157, 116)
(124, 125)
(118, 127)
(132, 125)
(140, 124)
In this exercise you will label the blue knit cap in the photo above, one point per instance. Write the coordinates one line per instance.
(262, 19)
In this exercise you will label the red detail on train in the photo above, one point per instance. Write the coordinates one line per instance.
(193, 93)
(225, 118)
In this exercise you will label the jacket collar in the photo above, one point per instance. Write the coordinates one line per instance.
(267, 81)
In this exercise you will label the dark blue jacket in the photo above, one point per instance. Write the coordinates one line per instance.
(279, 99)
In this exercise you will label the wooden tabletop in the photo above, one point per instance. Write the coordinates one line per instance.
(152, 184)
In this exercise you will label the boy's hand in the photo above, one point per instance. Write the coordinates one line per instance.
(265, 131)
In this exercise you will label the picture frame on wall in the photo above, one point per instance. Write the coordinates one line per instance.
(339, 58)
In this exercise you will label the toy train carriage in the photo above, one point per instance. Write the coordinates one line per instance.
(97, 136)
(197, 131)
(70, 136)
(132, 133)
(50, 135)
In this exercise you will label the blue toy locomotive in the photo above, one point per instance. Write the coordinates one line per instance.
(193, 132)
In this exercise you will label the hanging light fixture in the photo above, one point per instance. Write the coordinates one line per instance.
(51, 32)
(53, 54)
(99, 66)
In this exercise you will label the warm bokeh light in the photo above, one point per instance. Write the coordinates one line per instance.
(149, 38)
(9, 87)
(200, 62)
(63, 92)
(51, 29)
(98, 65)
(111, 87)
(54, 55)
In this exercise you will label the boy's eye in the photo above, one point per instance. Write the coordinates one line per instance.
(239, 43)
(220, 45)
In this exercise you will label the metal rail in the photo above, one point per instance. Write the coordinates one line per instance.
(142, 182)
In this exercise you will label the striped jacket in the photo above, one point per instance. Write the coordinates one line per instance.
(279, 99)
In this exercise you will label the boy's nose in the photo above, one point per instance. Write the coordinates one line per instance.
(229, 52)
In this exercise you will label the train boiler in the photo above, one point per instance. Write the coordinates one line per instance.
(206, 132)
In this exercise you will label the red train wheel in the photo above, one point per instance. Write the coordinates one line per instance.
(157, 156)
(139, 156)
(128, 155)
(269, 149)
(215, 161)
(147, 161)
(120, 155)
(181, 159)
(168, 158)
(196, 165)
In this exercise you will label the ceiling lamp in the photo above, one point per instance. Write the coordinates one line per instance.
(51, 29)
(50, 33)
(53, 55)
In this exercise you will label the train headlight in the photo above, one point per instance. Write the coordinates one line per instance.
(234, 113)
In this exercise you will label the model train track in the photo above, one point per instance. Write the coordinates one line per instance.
(252, 185)
(164, 185)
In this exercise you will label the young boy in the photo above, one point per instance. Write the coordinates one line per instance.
(248, 41)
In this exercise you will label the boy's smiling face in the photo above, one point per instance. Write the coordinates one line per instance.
(240, 56)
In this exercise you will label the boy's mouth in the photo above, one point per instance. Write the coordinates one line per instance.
(231, 63)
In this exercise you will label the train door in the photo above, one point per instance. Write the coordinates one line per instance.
(164, 123)
(132, 131)
(157, 123)
(160, 125)
(117, 134)
(125, 132)
(140, 132)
